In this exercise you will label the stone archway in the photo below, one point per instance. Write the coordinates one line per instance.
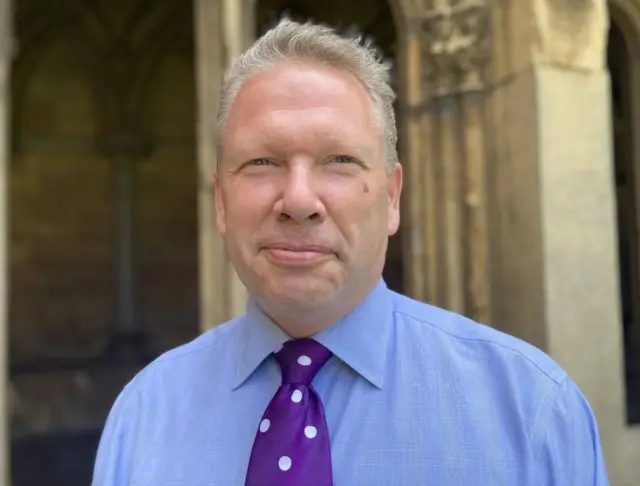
(103, 216)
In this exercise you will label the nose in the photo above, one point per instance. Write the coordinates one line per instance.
(300, 201)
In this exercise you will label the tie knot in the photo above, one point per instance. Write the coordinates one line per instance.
(301, 359)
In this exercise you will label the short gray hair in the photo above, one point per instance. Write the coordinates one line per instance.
(293, 41)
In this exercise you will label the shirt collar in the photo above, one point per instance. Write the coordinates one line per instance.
(360, 339)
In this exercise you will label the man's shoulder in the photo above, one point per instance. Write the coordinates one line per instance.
(458, 332)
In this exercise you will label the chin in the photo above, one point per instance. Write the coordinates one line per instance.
(300, 291)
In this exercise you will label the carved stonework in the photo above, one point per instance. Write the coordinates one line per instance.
(571, 33)
(455, 38)
(448, 158)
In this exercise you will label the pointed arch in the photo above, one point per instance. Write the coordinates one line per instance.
(82, 33)
(170, 32)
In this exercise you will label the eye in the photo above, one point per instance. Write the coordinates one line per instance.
(344, 159)
(260, 161)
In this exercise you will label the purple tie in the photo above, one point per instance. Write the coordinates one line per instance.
(291, 447)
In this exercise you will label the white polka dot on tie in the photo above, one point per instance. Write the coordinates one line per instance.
(304, 360)
(296, 396)
(284, 463)
(264, 425)
(310, 431)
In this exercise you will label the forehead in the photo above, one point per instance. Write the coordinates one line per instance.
(299, 102)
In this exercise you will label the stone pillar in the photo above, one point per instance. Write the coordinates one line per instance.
(554, 251)
(209, 44)
(238, 34)
(6, 51)
(447, 60)
(222, 31)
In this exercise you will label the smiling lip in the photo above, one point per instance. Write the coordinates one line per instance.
(297, 255)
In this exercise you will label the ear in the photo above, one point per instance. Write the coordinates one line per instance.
(221, 220)
(394, 191)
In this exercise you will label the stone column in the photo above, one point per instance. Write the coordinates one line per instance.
(125, 150)
(554, 251)
(209, 64)
(447, 89)
(6, 51)
(238, 34)
(221, 34)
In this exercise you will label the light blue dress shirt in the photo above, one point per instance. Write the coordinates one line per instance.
(414, 395)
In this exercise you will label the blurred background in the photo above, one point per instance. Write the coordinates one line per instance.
(519, 129)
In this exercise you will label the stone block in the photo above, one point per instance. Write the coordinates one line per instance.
(568, 34)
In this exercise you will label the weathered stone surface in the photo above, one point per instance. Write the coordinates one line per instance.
(447, 63)
(569, 34)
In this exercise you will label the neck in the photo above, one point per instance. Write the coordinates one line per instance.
(300, 320)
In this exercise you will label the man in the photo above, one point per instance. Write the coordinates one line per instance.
(330, 378)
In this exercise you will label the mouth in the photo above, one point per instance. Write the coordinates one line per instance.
(289, 255)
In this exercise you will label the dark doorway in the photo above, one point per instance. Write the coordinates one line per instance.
(627, 193)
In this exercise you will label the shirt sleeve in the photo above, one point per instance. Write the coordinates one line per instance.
(571, 454)
(115, 451)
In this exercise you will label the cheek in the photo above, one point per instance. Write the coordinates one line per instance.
(244, 214)
(360, 211)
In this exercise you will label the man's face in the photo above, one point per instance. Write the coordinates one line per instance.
(304, 198)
